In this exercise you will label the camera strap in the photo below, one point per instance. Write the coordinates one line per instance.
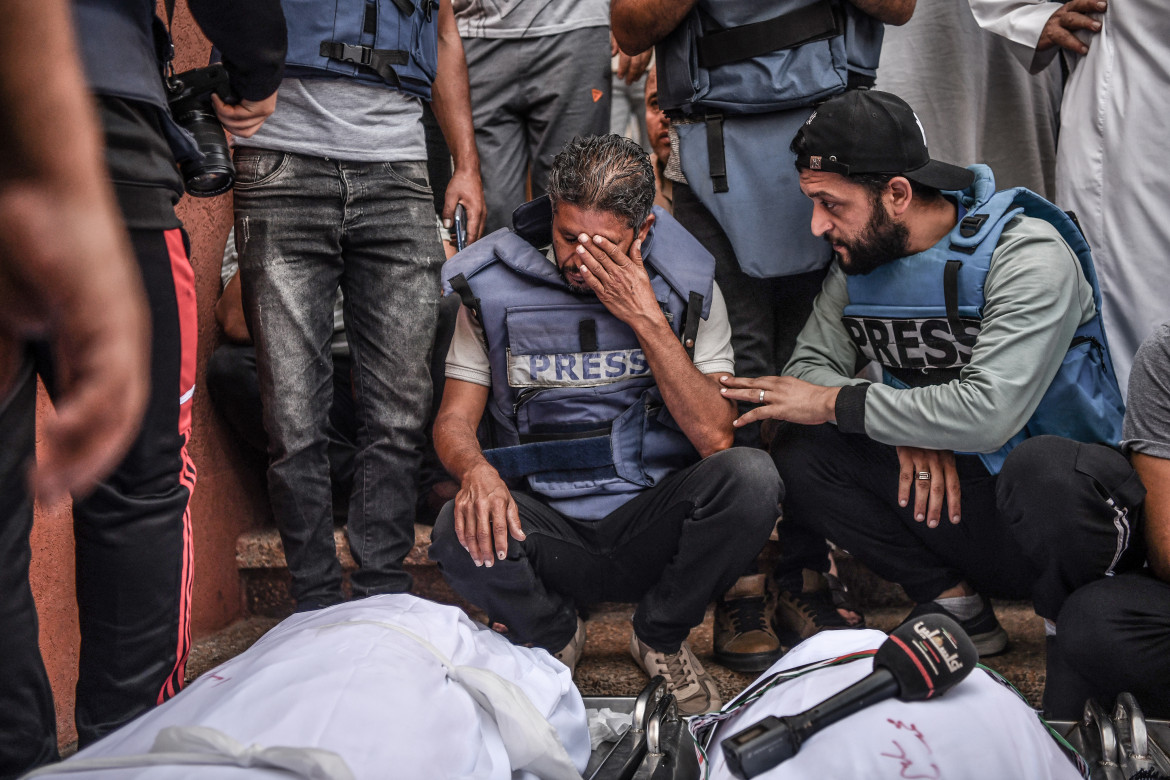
(165, 41)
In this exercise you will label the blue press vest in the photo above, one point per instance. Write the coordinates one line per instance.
(390, 42)
(117, 47)
(920, 316)
(573, 405)
(798, 52)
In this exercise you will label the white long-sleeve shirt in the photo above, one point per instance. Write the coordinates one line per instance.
(1111, 155)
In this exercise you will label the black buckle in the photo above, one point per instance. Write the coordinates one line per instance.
(346, 52)
(971, 224)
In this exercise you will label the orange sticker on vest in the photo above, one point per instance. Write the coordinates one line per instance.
(596, 95)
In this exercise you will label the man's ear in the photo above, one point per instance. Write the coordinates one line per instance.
(645, 229)
(901, 193)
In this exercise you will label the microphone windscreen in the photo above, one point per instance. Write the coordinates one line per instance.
(927, 655)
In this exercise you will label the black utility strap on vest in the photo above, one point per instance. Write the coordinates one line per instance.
(715, 156)
(587, 333)
(691, 324)
(463, 290)
(377, 60)
(951, 300)
(815, 22)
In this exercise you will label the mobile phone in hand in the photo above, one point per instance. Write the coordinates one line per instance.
(460, 231)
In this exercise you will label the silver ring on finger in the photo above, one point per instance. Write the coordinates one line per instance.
(924, 476)
(761, 396)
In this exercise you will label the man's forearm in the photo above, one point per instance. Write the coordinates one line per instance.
(693, 398)
(639, 24)
(1155, 475)
(451, 96)
(48, 129)
(895, 12)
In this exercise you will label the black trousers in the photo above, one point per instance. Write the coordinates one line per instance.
(1015, 540)
(133, 542)
(766, 315)
(672, 549)
(1113, 621)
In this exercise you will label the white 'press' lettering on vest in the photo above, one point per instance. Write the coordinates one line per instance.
(926, 342)
(576, 369)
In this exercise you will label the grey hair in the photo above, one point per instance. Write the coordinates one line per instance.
(606, 173)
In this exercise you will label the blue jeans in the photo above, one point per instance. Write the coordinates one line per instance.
(305, 225)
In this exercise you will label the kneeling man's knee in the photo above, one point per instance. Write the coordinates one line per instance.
(444, 542)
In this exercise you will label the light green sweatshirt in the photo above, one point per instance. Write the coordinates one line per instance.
(1035, 298)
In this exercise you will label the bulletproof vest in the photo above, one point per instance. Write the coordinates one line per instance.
(120, 50)
(389, 42)
(574, 412)
(920, 317)
(754, 56)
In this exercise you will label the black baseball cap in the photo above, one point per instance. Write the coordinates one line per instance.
(866, 131)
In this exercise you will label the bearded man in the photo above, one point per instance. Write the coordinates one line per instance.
(983, 313)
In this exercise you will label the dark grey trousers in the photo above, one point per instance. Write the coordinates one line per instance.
(530, 96)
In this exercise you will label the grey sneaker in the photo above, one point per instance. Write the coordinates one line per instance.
(571, 653)
(693, 689)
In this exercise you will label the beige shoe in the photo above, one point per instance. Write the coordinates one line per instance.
(571, 653)
(693, 689)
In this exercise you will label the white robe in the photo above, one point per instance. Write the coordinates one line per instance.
(977, 731)
(976, 102)
(385, 687)
(1111, 164)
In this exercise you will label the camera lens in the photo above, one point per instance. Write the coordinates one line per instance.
(215, 173)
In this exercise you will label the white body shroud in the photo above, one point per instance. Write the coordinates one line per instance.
(978, 730)
(351, 692)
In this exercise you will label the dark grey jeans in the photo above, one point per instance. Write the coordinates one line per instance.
(304, 225)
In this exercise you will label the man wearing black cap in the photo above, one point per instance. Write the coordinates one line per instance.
(981, 309)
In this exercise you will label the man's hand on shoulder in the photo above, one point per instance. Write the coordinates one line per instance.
(935, 480)
(782, 398)
(485, 513)
(244, 118)
(1066, 21)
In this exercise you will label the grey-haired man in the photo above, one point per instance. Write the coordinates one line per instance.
(610, 477)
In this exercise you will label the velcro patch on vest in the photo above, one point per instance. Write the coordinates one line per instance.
(915, 342)
(576, 369)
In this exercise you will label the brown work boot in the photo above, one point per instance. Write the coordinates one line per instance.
(571, 653)
(805, 607)
(744, 638)
(693, 689)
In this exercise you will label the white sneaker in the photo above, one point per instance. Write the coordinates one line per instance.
(693, 689)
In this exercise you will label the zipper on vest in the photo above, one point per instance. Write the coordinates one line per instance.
(526, 395)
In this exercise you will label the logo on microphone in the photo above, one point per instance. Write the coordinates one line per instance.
(941, 639)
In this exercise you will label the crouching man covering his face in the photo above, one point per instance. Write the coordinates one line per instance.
(982, 310)
(609, 475)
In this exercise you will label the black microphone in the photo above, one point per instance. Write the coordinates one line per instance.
(921, 659)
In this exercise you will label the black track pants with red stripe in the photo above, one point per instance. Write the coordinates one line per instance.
(133, 543)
